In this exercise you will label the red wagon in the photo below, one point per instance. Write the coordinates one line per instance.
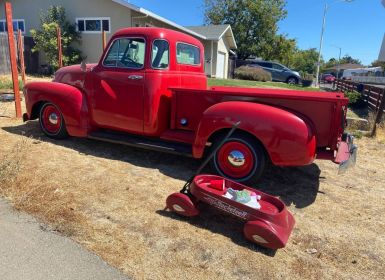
(269, 226)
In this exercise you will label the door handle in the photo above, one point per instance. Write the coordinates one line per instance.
(135, 77)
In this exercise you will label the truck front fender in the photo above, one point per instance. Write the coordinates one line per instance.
(70, 100)
(287, 138)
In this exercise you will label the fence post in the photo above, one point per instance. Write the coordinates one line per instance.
(20, 47)
(379, 113)
(103, 40)
(59, 47)
(12, 57)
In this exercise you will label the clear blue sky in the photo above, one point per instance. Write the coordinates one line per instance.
(357, 27)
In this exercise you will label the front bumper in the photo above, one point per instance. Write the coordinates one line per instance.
(346, 154)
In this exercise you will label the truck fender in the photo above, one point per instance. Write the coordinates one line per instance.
(70, 100)
(287, 138)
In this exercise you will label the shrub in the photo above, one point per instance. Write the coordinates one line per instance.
(252, 73)
(354, 97)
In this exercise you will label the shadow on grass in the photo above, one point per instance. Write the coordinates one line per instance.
(296, 185)
(221, 223)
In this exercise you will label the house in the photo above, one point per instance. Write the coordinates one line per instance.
(93, 16)
(381, 56)
(333, 70)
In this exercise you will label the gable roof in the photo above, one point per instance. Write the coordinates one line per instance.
(155, 16)
(216, 32)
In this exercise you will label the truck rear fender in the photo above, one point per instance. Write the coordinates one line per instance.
(287, 138)
(70, 100)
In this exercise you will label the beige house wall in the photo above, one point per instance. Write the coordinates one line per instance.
(91, 44)
(120, 17)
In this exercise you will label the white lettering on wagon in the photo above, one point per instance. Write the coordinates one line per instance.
(225, 207)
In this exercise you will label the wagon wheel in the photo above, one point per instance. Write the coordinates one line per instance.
(182, 204)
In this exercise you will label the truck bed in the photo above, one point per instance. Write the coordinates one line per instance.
(322, 110)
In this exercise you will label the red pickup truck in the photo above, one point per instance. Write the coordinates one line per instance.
(150, 90)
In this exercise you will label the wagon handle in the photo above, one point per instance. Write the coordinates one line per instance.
(210, 156)
(186, 186)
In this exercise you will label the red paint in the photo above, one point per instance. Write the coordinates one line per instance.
(292, 126)
(270, 226)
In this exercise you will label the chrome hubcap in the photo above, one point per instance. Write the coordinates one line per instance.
(236, 158)
(53, 118)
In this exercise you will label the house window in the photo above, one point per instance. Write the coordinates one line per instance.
(187, 54)
(126, 53)
(18, 24)
(93, 25)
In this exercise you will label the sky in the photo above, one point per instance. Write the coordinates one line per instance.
(357, 27)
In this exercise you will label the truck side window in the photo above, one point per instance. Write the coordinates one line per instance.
(126, 53)
(187, 54)
(160, 54)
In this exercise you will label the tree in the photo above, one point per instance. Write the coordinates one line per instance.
(46, 38)
(254, 23)
(305, 60)
(378, 63)
(348, 59)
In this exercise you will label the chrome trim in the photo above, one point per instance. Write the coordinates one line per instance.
(53, 118)
(236, 158)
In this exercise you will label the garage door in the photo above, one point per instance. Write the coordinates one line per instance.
(221, 65)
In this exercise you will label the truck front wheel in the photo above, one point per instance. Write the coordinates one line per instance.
(241, 158)
(52, 122)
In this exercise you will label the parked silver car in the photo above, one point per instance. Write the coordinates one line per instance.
(279, 72)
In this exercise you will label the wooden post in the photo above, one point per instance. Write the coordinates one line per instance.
(20, 47)
(12, 57)
(59, 47)
(104, 41)
(379, 113)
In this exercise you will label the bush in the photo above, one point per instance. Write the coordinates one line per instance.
(354, 97)
(252, 73)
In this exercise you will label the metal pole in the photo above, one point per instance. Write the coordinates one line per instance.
(20, 47)
(320, 45)
(12, 57)
(339, 64)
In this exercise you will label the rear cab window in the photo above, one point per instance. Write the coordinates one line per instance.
(126, 53)
(188, 54)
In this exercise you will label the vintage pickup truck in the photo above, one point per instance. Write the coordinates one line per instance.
(150, 90)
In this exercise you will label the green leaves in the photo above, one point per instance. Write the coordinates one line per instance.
(46, 37)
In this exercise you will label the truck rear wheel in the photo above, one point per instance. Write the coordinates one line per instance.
(52, 122)
(241, 158)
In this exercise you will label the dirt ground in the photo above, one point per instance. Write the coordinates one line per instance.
(111, 199)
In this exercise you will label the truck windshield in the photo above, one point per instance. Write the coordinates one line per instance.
(126, 53)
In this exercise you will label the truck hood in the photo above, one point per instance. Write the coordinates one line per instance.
(73, 75)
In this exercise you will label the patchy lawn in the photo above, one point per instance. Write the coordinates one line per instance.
(111, 199)
(245, 83)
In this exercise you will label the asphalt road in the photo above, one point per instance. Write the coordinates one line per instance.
(27, 251)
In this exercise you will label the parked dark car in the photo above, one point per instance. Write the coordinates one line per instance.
(328, 78)
(279, 72)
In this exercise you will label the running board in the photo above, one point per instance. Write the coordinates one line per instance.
(142, 142)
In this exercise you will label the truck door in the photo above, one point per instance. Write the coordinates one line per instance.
(119, 86)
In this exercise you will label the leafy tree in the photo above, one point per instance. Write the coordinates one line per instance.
(46, 37)
(254, 23)
(348, 59)
(305, 60)
(281, 49)
(378, 63)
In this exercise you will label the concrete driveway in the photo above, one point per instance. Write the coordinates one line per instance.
(27, 251)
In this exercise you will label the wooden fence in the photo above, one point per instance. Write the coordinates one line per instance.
(373, 96)
(5, 66)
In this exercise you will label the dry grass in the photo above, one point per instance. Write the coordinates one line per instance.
(111, 199)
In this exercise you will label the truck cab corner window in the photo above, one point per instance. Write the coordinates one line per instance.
(160, 54)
